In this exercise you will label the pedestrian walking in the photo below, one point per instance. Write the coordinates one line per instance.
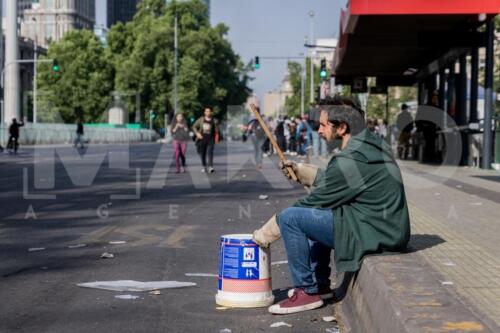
(79, 135)
(207, 132)
(404, 126)
(180, 133)
(258, 137)
(358, 207)
(13, 143)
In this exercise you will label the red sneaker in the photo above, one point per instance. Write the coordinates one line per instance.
(298, 302)
(324, 292)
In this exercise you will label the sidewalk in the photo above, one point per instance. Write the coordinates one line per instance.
(462, 210)
(455, 255)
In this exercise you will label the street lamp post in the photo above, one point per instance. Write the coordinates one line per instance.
(311, 41)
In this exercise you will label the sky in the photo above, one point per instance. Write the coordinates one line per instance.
(268, 28)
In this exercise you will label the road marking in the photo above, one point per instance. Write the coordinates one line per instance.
(175, 240)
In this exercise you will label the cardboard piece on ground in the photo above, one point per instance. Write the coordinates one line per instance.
(130, 285)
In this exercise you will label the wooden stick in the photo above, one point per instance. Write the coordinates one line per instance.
(273, 141)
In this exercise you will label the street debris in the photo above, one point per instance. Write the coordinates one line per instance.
(333, 330)
(459, 186)
(263, 197)
(117, 242)
(279, 262)
(449, 263)
(447, 283)
(329, 319)
(280, 323)
(226, 330)
(36, 249)
(155, 292)
(107, 255)
(477, 203)
(130, 285)
(126, 296)
(77, 246)
(437, 194)
(244, 176)
(202, 274)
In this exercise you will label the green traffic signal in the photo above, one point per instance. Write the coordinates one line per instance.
(256, 63)
(55, 66)
(323, 72)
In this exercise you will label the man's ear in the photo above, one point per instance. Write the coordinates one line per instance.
(342, 129)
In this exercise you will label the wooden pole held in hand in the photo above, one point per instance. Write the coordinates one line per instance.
(272, 139)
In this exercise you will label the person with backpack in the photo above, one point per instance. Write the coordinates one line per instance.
(13, 143)
(207, 132)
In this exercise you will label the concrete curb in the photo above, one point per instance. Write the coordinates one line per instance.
(397, 293)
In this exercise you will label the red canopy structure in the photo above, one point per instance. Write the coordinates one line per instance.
(408, 42)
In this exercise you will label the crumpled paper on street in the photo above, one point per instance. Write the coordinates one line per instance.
(130, 285)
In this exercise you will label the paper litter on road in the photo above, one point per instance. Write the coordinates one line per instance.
(36, 249)
(117, 242)
(107, 255)
(332, 330)
(202, 274)
(77, 246)
(130, 285)
(477, 203)
(263, 197)
(447, 283)
(279, 262)
(329, 319)
(226, 330)
(280, 323)
(449, 263)
(126, 296)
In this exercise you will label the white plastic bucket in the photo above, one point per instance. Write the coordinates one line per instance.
(244, 273)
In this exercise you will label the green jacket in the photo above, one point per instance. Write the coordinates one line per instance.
(363, 186)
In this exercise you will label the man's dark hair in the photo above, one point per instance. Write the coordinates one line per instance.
(348, 111)
(404, 107)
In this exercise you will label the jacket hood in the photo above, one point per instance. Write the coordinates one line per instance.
(367, 147)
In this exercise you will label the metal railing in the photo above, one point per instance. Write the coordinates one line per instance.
(40, 133)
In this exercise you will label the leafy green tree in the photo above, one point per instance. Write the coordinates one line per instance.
(292, 103)
(82, 87)
(209, 72)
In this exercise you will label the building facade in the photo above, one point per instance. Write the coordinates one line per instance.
(49, 20)
(120, 11)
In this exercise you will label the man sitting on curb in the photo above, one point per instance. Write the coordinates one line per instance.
(357, 206)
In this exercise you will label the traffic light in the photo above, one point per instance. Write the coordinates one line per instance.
(256, 63)
(323, 72)
(152, 114)
(55, 66)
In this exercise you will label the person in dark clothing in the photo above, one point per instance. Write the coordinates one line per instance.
(404, 125)
(207, 133)
(13, 143)
(280, 134)
(357, 206)
(79, 134)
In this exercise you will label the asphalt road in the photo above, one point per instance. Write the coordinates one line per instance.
(171, 224)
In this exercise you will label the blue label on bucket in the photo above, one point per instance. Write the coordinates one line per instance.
(239, 260)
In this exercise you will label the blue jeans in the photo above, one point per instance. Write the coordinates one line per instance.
(308, 237)
(257, 145)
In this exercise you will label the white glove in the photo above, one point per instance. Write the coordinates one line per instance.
(269, 233)
(306, 173)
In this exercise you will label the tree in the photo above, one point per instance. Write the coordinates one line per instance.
(209, 72)
(295, 69)
(81, 89)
